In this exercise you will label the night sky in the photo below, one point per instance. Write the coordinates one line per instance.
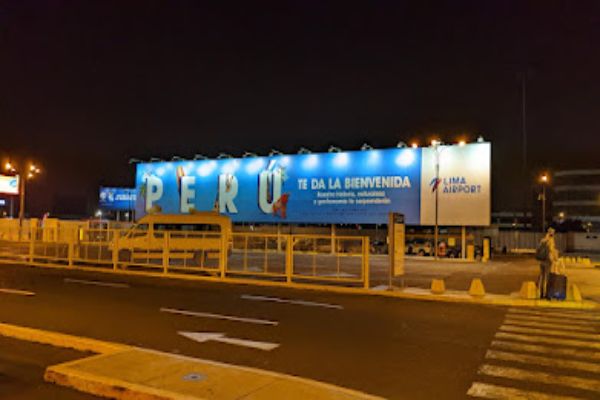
(88, 84)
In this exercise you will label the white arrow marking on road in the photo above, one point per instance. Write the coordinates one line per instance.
(219, 316)
(97, 283)
(299, 302)
(202, 337)
(16, 291)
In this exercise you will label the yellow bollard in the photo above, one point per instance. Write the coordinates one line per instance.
(438, 286)
(470, 252)
(477, 289)
(528, 290)
(573, 293)
(486, 250)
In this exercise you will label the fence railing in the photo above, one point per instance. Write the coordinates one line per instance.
(288, 258)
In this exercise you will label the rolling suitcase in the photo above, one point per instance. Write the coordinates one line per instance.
(557, 287)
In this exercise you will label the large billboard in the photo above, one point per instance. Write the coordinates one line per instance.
(117, 199)
(345, 187)
(9, 184)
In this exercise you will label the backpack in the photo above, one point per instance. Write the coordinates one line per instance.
(541, 254)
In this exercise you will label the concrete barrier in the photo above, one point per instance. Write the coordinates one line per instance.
(477, 289)
(573, 293)
(528, 290)
(438, 286)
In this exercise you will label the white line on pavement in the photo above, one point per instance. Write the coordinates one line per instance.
(291, 301)
(551, 332)
(97, 283)
(563, 321)
(557, 314)
(551, 325)
(219, 316)
(547, 340)
(540, 377)
(487, 391)
(16, 291)
(543, 361)
(534, 348)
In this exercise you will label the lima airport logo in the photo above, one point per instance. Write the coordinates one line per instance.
(454, 185)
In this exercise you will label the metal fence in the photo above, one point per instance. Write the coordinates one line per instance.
(287, 258)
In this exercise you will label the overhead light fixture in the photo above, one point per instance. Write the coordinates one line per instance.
(480, 139)
(275, 152)
(249, 154)
(304, 150)
(401, 145)
(177, 158)
(333, 149)
(200, 157)
(156, 159)
(224, 155)
(366, 146)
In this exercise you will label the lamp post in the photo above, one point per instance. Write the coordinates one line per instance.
(544, 180)
(23, 175)
(435, 145)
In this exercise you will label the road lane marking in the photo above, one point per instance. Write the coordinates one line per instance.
(202, 337)
(532, 348)
(291, 301)
(487, 391)
(97, 283)
(16, 291)
(555, 325)
(543, 361)
(518, 374)
(550, 332)
(547, 340)
(219, 316)
(570, 322)
(556, 314)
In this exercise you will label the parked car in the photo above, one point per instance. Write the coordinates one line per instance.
(421, 247)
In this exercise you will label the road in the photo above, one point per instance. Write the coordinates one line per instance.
(22, 367)
(394, 348)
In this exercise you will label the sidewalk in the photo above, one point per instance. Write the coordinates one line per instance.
(587, 279)
(126, 372)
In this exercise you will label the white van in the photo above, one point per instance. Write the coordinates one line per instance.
(197, 235)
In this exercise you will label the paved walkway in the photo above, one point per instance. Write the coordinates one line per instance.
(126, 372)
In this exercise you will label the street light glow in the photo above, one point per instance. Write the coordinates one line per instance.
(544, 178)
(414, 145)
(8, 166)
(462, 143)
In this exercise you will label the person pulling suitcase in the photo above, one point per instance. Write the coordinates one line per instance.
(547, 254)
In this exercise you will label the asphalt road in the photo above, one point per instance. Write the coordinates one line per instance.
(22, 366)
(394, 348)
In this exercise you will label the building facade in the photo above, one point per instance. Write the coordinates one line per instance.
(577, 196)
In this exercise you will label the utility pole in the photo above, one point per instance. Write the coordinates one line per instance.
(526, 190)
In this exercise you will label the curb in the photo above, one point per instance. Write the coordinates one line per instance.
(66, 374)
(408, 293)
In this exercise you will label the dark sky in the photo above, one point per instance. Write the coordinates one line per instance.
(88, 84)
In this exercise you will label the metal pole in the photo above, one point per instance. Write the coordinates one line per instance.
(526, 187)
(437, 190)
(21, 205)
(543, 208)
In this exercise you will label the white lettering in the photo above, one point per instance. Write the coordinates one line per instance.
(188, 193)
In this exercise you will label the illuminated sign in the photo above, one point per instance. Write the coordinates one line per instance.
(9, 184)
(117, 199)
(343, 187)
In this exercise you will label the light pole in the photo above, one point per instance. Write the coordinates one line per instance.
(23, 175)
(544, 181)
(435, 145)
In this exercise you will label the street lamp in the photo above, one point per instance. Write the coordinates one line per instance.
(23, 175)
(544, 181)
(435, 145)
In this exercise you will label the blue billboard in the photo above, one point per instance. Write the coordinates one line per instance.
(353, 187)
(117, 199)
(343, 187)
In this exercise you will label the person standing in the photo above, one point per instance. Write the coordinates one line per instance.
(547, 254)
